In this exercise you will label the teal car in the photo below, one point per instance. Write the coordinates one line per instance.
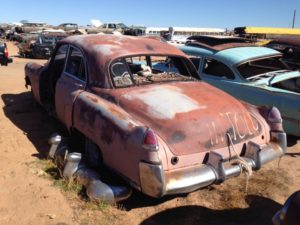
(254, 74)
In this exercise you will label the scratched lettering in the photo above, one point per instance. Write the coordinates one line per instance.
(241, 126)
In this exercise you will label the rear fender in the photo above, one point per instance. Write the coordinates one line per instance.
(114, 131)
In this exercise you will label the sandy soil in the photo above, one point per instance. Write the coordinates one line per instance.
(28, 196)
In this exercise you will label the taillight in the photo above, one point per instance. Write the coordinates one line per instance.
(150, 140)
(272, 116)
(6, 53)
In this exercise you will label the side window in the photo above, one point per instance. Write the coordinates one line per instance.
(215, 68)
(120, 74)
(75, 64)
(196, 61)
(59, 61)
(61, 53)
(110, 25)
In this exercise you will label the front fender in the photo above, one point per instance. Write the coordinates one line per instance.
(32, 77)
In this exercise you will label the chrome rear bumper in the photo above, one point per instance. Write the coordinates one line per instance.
(156, 182)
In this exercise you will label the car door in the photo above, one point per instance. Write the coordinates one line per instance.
(70, 85)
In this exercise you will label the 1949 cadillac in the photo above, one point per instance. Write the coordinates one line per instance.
(253, 74)
(163, 132)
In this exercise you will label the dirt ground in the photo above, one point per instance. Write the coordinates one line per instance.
(28, 195)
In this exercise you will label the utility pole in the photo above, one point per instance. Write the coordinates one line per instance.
(294, 19)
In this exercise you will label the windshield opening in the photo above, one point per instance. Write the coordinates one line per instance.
(261, 66)
(145, 69)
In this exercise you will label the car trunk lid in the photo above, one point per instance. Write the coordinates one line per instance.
(190, 117)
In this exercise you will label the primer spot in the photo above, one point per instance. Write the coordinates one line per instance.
(165, 102)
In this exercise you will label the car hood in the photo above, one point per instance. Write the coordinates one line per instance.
(190, 117)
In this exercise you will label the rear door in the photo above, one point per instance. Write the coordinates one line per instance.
(70, 85)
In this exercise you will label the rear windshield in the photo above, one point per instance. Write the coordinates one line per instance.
(261, 66)
(141, 70)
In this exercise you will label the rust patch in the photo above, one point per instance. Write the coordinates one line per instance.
(117, 113)
(93, 99)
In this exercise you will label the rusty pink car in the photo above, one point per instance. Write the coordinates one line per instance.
(164, 132)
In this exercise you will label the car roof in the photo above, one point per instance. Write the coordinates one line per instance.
(101, 49)
(232, 56)
(288, 40)
(237, 55)
(114, 46)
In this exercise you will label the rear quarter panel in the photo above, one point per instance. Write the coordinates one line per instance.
(115, 132)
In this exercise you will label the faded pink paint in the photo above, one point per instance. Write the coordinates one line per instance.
(190, 119)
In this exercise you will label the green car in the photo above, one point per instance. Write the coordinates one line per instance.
(253, 74)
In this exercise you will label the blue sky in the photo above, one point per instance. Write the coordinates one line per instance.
(192, 13)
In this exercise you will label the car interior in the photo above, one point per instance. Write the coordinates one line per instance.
(140, 70)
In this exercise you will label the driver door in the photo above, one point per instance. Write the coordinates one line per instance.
(70, 85)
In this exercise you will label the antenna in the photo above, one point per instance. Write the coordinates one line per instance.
(294, 19)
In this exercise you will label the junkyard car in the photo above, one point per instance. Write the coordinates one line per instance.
(25, 45)
(163, 132)
(254, 74)
(31, 27)
(106, 28)
(68, 27)
(290, 47)
(4, 57)
(289, 214)
(40, 47)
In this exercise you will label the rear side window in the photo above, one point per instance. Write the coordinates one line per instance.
(218, 69)
(75, 64)
(120, 74)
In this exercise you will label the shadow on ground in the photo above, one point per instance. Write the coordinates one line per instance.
(140, 200)
(35, 123)
(259, 212)
(291, 140)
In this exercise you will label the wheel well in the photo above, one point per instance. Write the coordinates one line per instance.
(27, 81)
(80, 143)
